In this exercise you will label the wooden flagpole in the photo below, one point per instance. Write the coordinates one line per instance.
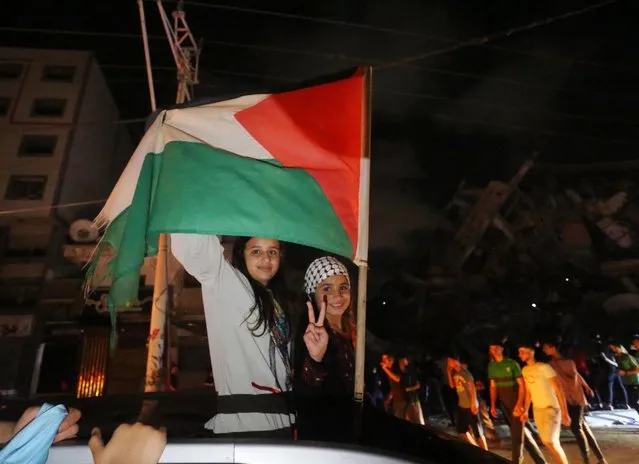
(361, 258)
(186, 56)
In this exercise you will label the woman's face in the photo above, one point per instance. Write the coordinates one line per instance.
(337, 292)
(262, 256)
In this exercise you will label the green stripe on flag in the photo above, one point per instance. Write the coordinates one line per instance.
(244, 196)
(195, 188)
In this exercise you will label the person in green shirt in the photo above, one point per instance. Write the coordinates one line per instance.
(629, 372)
(507, 387)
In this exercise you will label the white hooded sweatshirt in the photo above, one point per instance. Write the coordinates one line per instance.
(239, 360)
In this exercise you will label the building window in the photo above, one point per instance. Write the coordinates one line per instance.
(10, 71)
(5, 105)
(37, 145)
(26, 188)
(48, 107)
(58, 73)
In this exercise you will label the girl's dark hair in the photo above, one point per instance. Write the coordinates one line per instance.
(264, 304)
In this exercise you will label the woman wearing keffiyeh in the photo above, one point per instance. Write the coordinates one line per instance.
(324, 355)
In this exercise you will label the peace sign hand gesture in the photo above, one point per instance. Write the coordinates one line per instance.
(316, 337)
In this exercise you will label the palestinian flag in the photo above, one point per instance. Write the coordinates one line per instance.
(290, 166)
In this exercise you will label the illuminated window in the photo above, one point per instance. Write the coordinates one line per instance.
(92, 376)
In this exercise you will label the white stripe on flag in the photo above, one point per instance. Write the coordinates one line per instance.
(213, 124)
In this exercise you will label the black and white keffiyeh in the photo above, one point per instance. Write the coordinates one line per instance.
(320, 270)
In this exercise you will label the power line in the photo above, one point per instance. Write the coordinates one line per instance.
(407, 94)
(441, 116)
(115, 35)
(513, 127)
(328, 56)
(527, 109)
(336, 22)
(498, 35)
(207, 71)
(50, 207)
(126, 80)
(589, 168)
(382, 90)
(500, 80)
(34, 127)
(518, 128)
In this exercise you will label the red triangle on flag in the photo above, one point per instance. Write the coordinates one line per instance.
(318, 129)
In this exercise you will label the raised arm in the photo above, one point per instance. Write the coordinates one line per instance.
(201, 255)
(391, 375)
(609, 360)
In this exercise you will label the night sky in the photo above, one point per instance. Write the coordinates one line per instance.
(567, 90)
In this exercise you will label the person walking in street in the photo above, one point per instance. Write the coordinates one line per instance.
(548, 401)
(573, 386)
(408, 379)
(611, 369)
(629, 372)
(508, 391)
(468, 425)
(395, 401)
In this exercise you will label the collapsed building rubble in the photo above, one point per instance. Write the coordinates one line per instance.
(555, 235)
(556, 220)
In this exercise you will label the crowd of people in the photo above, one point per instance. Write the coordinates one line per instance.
(282, 372)
(556, 391)
(279, 372)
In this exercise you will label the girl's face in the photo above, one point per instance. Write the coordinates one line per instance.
(337, 292)
(262, 256)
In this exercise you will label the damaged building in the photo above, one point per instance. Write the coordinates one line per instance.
(553, 243)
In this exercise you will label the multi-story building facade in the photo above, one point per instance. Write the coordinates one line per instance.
(187, 345)
(58, 143)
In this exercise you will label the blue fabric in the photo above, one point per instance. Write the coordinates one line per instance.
(32, 443)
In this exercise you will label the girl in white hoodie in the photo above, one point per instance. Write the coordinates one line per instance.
(247, 310)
